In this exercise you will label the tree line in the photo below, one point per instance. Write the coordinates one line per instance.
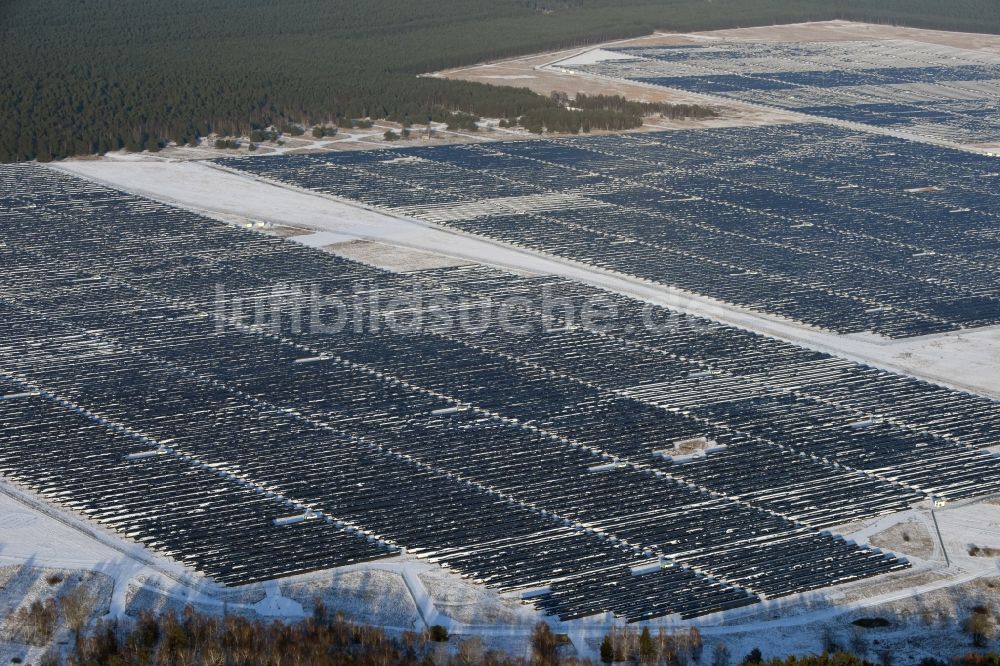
(91, 76)
(330, 639)
(324, 639)
(600, 112)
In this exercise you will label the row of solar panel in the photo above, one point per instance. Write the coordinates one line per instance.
(853, 81)
(126, 329)
(486, 452)
(829, 227)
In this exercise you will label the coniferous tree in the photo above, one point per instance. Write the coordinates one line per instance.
(607, 650)
(100, 76)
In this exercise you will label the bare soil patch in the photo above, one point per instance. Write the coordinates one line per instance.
(909, 538)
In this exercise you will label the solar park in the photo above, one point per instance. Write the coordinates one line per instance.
(929, 90)
(843, 230)
(541, 461)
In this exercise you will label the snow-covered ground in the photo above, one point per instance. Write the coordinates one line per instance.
(594, 56)
(925, 605)
(382, 255)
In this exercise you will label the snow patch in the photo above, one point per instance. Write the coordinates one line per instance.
(593, 57)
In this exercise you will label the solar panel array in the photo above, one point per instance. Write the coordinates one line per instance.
(524, 460)
(846, 231)
(943, 92)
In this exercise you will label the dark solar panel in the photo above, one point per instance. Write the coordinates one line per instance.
(127, 395)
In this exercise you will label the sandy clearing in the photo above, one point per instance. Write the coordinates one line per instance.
(545, 79)
(908, 538)
(345, 139)
(510, 77)
(819, 31)
(835, 31)
(528, 73)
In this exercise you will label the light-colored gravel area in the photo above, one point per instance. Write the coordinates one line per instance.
(909, 538)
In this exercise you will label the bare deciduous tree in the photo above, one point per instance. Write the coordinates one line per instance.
(77, 605)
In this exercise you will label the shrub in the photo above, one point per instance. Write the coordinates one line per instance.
(259, 136)
(321, 131)
(980, 627)
(543, 646)
(984, 551)
(438, 634)
(36, 623)
(459, 121)
(695, 643)
(470, 652)
(720, 655)
(77, 605)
